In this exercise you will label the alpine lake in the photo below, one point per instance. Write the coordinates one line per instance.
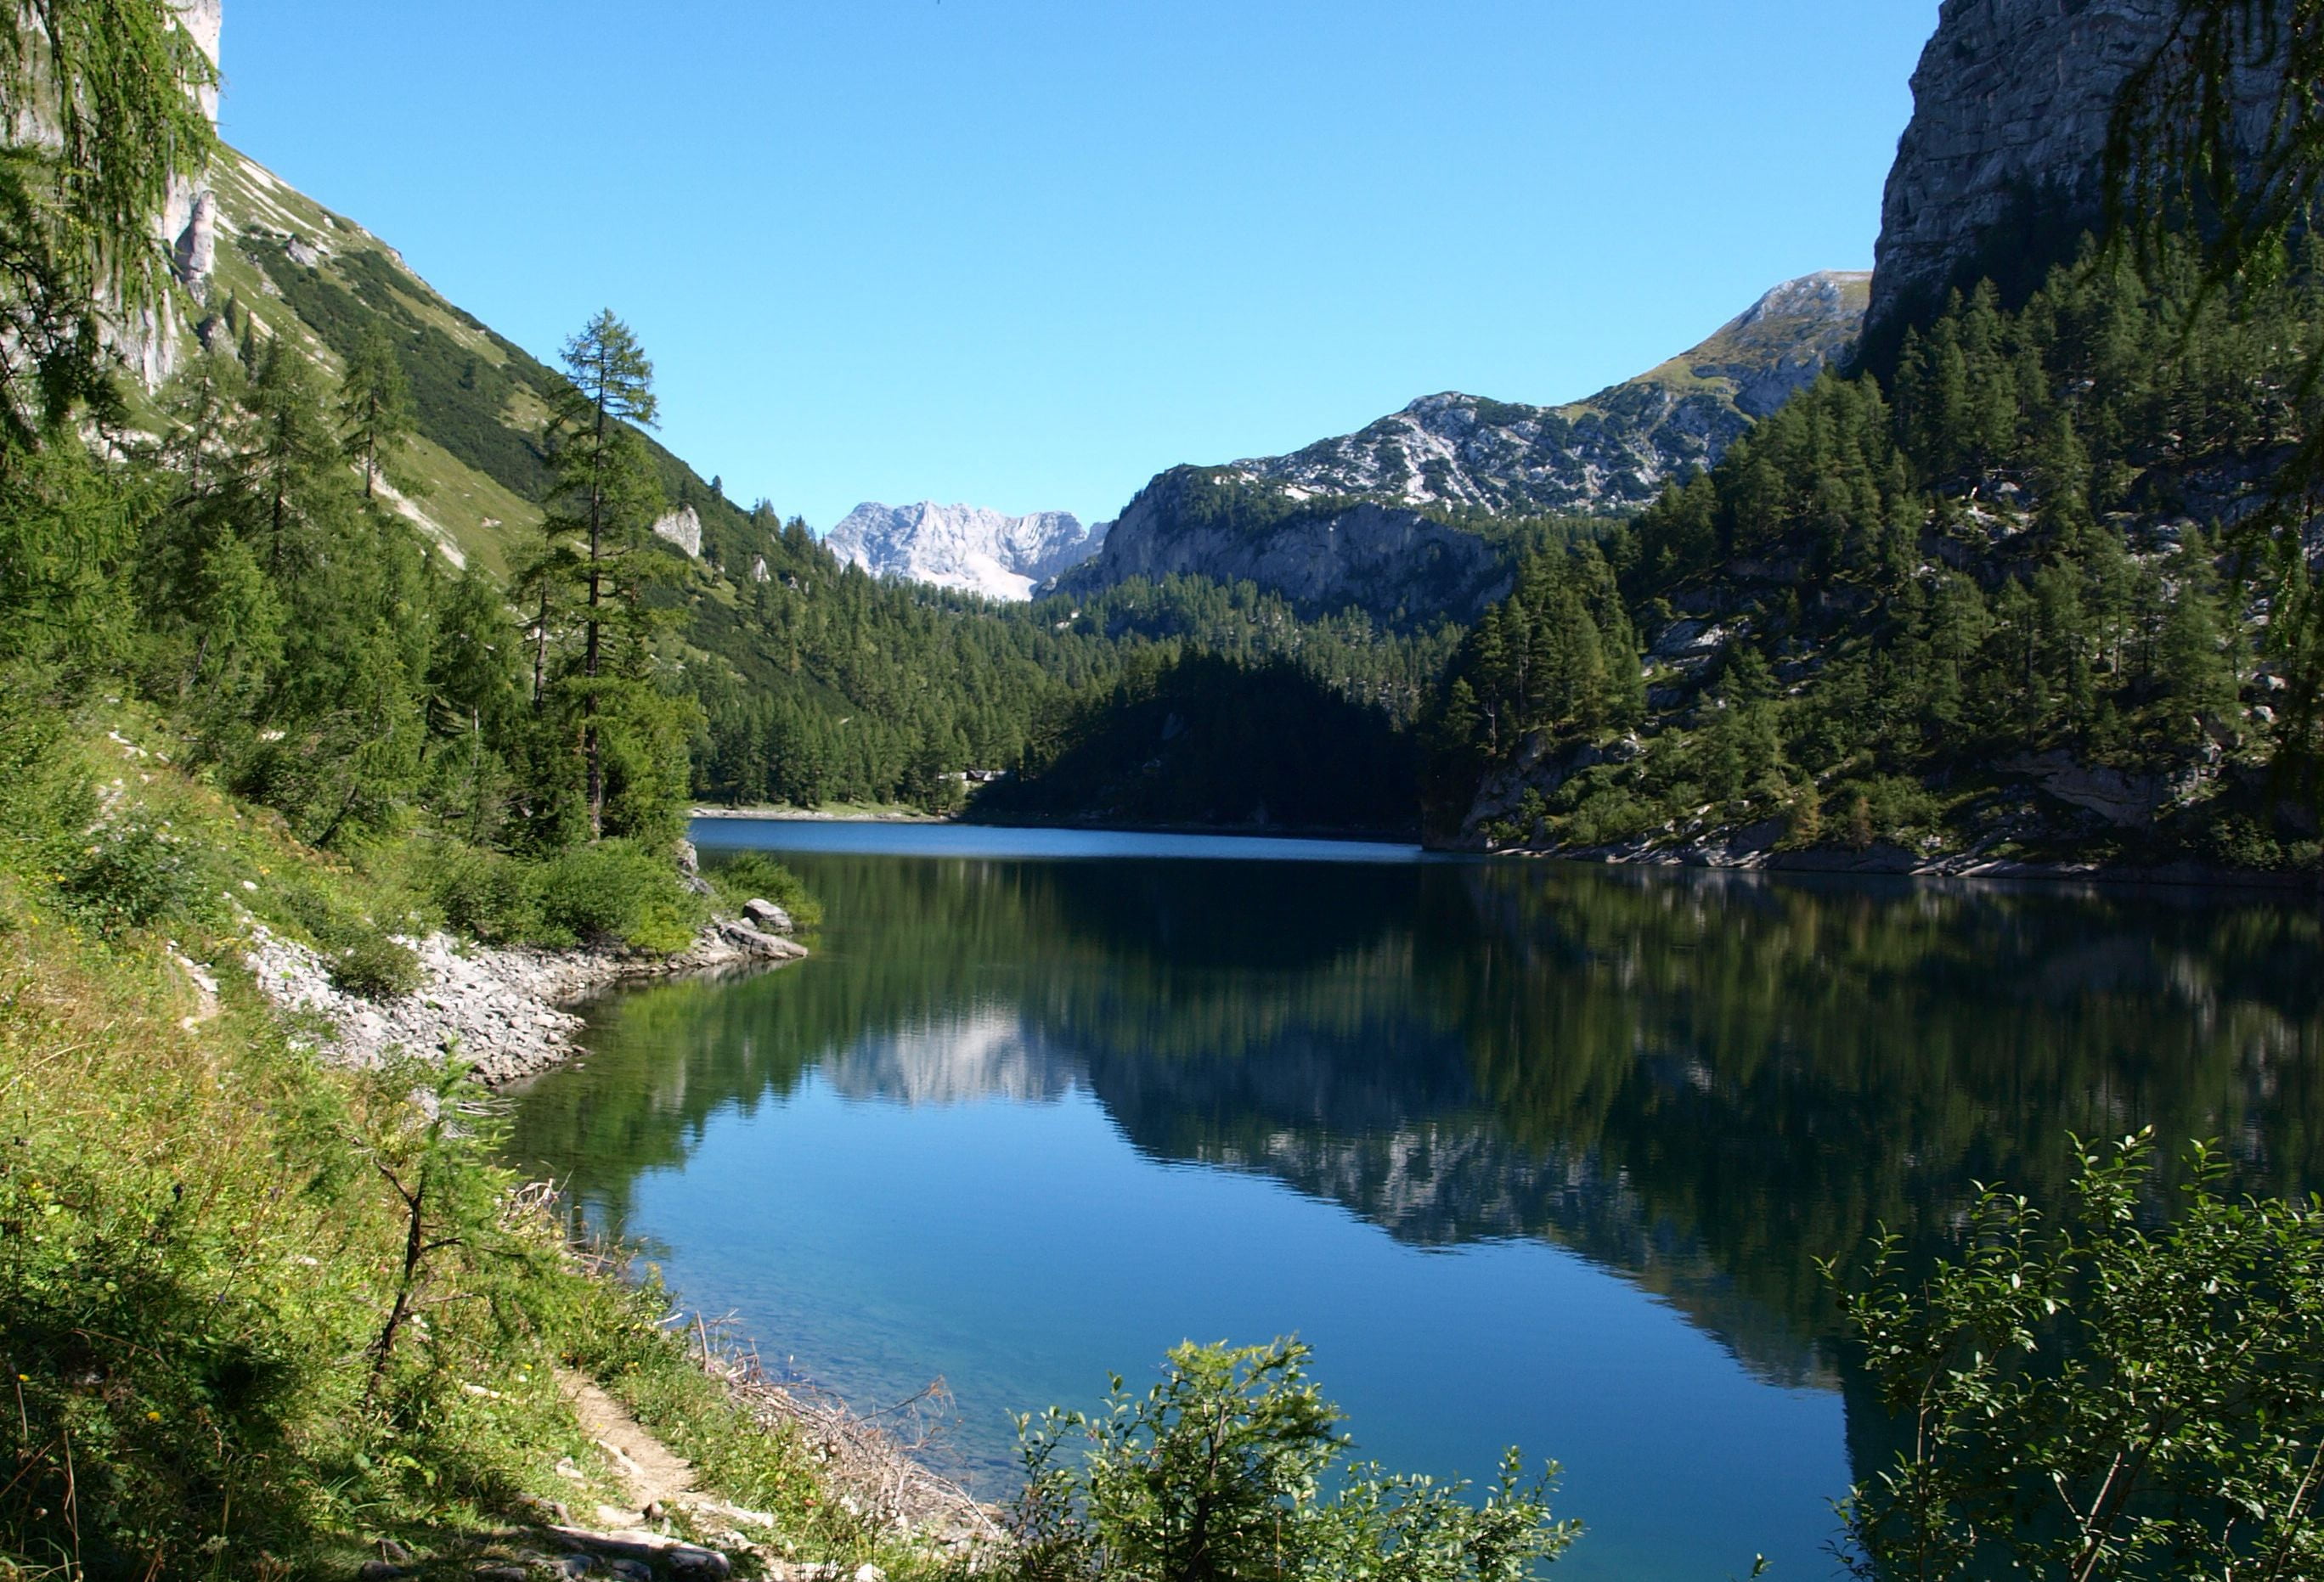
(1529, 1153)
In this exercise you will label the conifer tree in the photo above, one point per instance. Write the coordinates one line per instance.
(604, 496)
(292, 464)
(375, 413)
(2194, 660)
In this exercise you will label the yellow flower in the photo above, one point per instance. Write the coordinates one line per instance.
(152, 1417)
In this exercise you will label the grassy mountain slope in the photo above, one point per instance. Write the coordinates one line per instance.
(789, 654)
(299, 269)
(477, 469)
(817, 683)
(202, 1238)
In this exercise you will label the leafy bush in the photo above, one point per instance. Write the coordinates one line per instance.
(1887, 807)
(374, 966)
(1217, 1472)
(132, 874)
(2098, 1399)
(486, 895)
(361, 957)
(753, 875)
(617, 892)
(1609, 815)
(31, 739)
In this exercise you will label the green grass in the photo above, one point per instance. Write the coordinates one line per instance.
(202, 1238)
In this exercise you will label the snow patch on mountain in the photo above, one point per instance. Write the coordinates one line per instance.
(965, 546)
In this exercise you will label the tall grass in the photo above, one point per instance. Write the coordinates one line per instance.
(258, 1313)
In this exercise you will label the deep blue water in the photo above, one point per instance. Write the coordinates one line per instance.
(1530, 1153)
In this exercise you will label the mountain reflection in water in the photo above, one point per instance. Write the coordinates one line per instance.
(1703, 1083)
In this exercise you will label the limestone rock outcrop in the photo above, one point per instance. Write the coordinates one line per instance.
(683, 528)
(1612, 451)
(151, 341)
(2002, 166)
(1390, 561)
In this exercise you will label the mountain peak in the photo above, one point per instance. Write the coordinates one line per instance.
(1774, 347)
(1827, 292)
(1608, 453)
(964, 547)
(1379, 520)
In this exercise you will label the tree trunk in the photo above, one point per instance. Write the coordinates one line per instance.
(540, 653)
(589, 698)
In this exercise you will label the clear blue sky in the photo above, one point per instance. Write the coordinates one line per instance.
(1025, 253)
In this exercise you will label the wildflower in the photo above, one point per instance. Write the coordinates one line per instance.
(152, 1417)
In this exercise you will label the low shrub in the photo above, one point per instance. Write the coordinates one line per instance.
(486, 895)
(361, 957)
(132, 873)
(1232, 1466)
(753, 875)
(374, 966)
(2087, 1393)
(1889, 807)
(1609, 817)
(617, 892)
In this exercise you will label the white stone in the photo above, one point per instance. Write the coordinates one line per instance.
(682, 528)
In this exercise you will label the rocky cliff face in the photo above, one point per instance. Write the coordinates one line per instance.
(1394, 563)
(2000, 170)
(965, 546)
(683, 529)
(188, 224)
(1354, 521)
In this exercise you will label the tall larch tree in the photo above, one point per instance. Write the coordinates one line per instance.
(604, 491)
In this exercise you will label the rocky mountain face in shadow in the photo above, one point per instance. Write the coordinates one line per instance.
(2001, 171)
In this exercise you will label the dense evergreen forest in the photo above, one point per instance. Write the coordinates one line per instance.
(2041, 551)
(2047, 552)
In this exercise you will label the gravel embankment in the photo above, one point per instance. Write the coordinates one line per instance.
(501, 1009)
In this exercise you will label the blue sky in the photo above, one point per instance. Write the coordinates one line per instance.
(1025, 253)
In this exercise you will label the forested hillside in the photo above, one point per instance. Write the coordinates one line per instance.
(810, 681)
(1954, 612)
(2034, 599)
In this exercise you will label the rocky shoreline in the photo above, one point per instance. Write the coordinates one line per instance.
(500, 1009)
(1753, 849)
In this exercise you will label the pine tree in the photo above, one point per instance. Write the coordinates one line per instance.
(471, 673)
(292, 466)
(2193, 660)
(375, 412)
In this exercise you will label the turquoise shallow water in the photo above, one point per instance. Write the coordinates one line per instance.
(1530, 1153)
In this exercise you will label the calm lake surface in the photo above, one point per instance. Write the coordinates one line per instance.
(1530, 1153)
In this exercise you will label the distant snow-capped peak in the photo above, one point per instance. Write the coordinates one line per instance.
(965, 546)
